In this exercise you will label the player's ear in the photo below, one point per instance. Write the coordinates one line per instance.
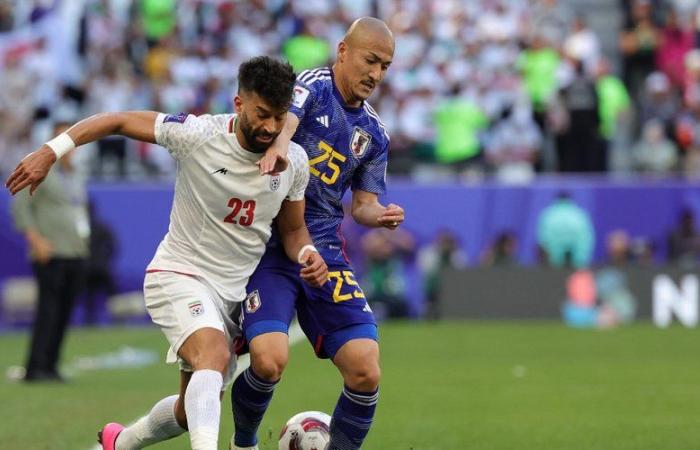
(238, 104)
(342, 50)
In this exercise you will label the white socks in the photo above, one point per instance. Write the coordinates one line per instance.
(159, 425)
(203, 408)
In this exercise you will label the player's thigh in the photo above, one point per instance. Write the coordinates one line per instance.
(357, 353)
(331, 314)
(269, 306)
(206, 348)
(180, 305)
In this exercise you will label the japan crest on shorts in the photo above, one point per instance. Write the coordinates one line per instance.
(196, 308)
(360, 141)
(274, 182)
(252, 302)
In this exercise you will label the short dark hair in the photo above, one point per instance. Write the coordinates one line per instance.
(271, 79)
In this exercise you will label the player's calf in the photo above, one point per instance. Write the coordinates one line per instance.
(208, 354)
(158, 425)
(253, 389)
(358, 362)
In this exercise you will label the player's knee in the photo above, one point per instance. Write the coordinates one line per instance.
(216, 358)
(363, 378)
(270, 367)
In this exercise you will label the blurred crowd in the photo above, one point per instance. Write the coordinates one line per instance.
(503, 88)
(565, 239)
(487, 87)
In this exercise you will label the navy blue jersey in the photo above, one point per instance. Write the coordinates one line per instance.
(347, 147)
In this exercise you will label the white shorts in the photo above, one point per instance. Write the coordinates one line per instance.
(182, 304)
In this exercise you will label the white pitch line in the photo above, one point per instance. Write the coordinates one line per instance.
(295, 335)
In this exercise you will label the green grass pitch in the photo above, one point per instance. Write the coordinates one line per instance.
(445, 386)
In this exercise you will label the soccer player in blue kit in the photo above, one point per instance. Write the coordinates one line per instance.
(347, 146)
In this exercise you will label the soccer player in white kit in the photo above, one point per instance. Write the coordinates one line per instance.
(219, 224)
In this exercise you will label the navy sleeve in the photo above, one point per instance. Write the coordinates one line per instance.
(304, 98)
(370, 176)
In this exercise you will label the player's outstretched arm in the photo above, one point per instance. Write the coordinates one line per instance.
(275, 159)
(367, 211)
(32, 170)
(298, 245)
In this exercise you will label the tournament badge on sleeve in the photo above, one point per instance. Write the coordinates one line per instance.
(300, 95)
(252, 302)
(360, 141)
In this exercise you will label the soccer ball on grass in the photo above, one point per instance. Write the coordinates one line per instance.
(309, 430)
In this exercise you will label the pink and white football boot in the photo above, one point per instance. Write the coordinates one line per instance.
(108, 435)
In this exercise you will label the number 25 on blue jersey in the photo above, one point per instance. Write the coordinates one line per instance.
(332, 171)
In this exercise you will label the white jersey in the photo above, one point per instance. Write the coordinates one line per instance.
(223, 208)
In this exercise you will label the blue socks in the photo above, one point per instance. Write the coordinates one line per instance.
(352, 419)
(350, 424)
(250, 397)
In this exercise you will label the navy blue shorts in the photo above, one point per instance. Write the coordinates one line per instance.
(330, 315)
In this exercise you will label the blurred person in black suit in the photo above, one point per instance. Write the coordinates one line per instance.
(55, 223)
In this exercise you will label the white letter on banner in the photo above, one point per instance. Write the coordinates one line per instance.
(668, 300)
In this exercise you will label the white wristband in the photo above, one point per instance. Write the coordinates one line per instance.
(61, 145)
(303, 249)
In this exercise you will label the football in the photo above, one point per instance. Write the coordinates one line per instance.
(308, 430)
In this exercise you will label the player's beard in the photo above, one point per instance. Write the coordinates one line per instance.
(251, 136)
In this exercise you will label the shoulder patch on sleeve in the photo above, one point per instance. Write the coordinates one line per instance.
(300, 96)
(179, 118)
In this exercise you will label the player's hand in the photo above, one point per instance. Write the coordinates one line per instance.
(273, 162)
(41, 249)
(392, 217)
(315, 271)
(31, 171)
